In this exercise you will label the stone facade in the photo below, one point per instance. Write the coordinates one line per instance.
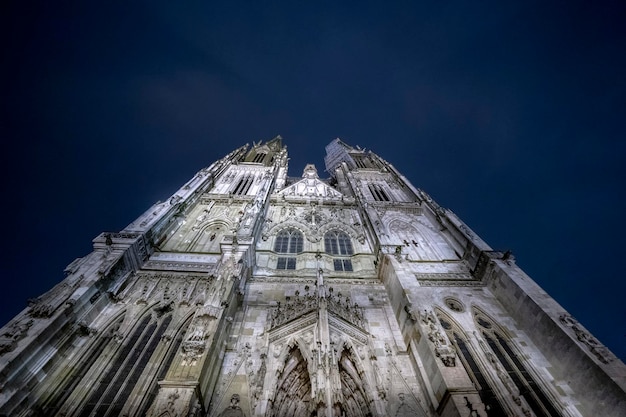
(251, 293)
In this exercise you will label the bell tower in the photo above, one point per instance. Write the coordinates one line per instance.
(252, 293)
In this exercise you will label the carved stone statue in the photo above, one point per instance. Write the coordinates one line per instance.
(233, 410)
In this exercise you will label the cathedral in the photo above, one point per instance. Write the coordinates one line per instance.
(250, 292)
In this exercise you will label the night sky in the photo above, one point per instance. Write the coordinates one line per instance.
(511, 114)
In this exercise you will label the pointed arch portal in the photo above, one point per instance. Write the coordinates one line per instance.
(355, 403)
(293, 388)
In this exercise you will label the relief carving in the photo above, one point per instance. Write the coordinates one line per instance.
(598, 349)
(233, 410)
(45, 305)
(15, 332)
(200, 219)
(256, 375)
(442, 346)
(191, 352)
(84, 330)
(175, 402)
(195, 344)
(299, 305)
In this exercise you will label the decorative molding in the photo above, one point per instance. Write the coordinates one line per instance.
(171, 275)
(445, 276)
(448, 280)
(180, 266)
(370, 280)
(292, 327)
(430, 283)
(348, 329)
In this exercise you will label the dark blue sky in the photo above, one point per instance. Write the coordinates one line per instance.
(509, 113)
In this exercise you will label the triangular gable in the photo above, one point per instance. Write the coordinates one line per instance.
(310, 186)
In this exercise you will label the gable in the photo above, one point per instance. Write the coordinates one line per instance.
(307, 187)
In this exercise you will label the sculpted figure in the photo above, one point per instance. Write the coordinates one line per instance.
(233, 410)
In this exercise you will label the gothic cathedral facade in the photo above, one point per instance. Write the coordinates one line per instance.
(252, 293)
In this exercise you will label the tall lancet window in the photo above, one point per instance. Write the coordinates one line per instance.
(259, 157)
(288, 241)
(80, 366)
(378, 192)
(164, 367)
(515, 368)
(338, 243)
(112, 389)
(243, 185)
(472, 367)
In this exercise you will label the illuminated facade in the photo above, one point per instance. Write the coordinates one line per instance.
(252, 293)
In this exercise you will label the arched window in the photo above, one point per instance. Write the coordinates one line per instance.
(378, 192)
(164, 367)
(79, 369)
(534, 396)
(259, 157)
(288, 241)
(113, 389)
(471, 365)
(243, 185)
(515, 368)
(338, 243)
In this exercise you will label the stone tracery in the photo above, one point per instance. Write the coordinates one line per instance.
(206, 260)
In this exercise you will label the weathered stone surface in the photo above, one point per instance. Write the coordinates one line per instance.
(251, 293)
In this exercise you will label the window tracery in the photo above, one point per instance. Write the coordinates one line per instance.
(243, 186)
(288, 241)
(378, 192)
(113, 389)
(164, 367)
(259, 157)
(81, 367)
(515, 369)
(471, 365)
(338, 243)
